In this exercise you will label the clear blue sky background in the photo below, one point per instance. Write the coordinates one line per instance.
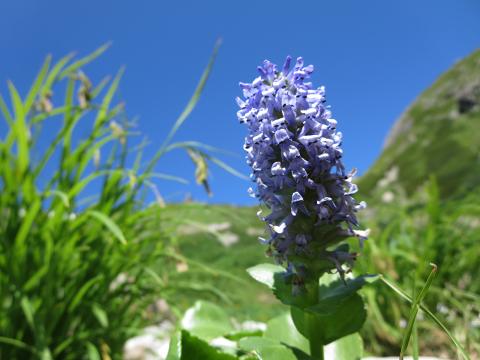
(374, 57)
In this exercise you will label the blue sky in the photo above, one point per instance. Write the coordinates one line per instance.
(374, 57)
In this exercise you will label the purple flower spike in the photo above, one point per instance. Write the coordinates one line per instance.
(294, 150)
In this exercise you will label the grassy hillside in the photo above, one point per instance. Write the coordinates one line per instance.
(437, 135)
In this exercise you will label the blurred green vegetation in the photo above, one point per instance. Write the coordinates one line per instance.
(80, 271)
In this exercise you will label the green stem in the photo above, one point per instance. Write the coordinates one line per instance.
(316, 350)
(316, 347)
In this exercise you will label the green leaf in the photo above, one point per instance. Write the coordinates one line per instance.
(100, 315)
(28, 312)
(267, 349)
(187, 110)
(98, 89)
(107, 99)
(326, 327)
(16, 343)
(36, 87)
(167, 177)
(207, 321)
(83, 290)
(110, 224)
(331, 286)
(196, 145)
(432, 316)
(61, 195)
(194, 99)
(45, 354)
(414, 311)
(325, 314)
(227, 167)
(184, 346)
(239, 334)
(175, 347)
(83, 61)
(25, 228)
(21, 130)
(92, 352)
(274, 277)
(35, 279)
(347, 348)
(282, 329)
(265, 273)
(333, 291)
(6, 114)
(52, 76)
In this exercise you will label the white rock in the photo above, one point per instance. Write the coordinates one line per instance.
(153, 344)
(253, 326)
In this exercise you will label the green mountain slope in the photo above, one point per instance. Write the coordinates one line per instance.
(439, 134)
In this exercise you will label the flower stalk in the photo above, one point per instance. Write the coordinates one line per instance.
(294, 150)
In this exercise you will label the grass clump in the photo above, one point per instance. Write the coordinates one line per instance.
(76, 262)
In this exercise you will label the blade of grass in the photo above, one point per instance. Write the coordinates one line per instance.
(206, 268)
(92, 352)
(28, 312)
(83, 61)
(98, 89)
(21, 130)
(27, 224)
(79, 186)
(52, 76)
(68, 119)
(227, 167)
(17, 343)
(432, 316)
(82, 291)
(168, 177)
(415, 352)
(414, 311)
(188, 109)
(107, 99)
(5, 112)
(190, 285)
(44, 115)
(61, 195)
(110, 224)
(37, 85)
(197, 145)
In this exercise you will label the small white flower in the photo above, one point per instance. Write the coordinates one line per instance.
(279, 229)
